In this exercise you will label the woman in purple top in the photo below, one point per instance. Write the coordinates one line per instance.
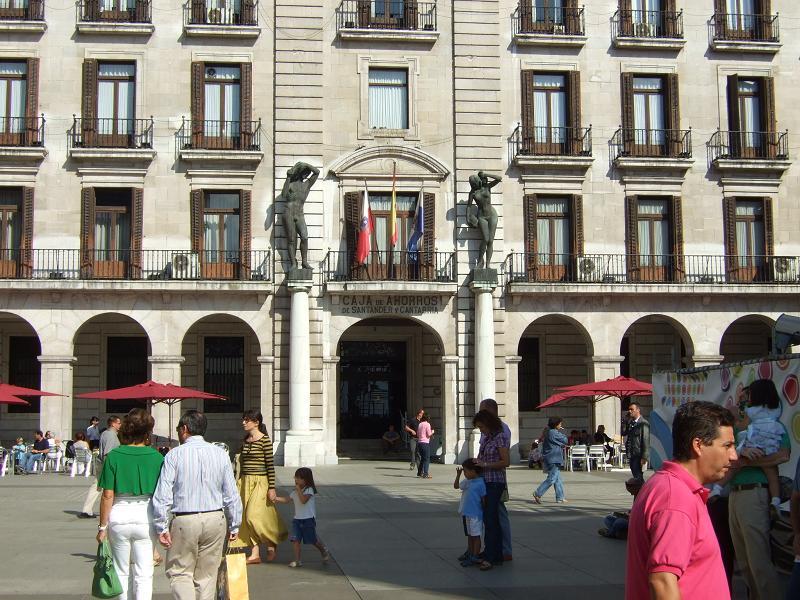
(493, 458)
(424, 434)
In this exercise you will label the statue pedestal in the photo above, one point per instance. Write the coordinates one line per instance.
(484, 282)
(485, 276)
(299, 274)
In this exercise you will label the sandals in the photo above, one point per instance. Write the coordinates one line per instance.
(427, 477)
(270, 554)
(537, 499)
(296, 563)
(485, 565)
(254, 561)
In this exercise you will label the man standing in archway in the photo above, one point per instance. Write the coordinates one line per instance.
(411, 426)
(505, 524)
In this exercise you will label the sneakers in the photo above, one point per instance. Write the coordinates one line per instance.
(412, 466)
(604, 532)
(296, 563)
(84, 515)
(463, 556)
(326, 557)
(470, 560)
(562, 501)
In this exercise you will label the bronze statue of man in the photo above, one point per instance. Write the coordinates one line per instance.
(483, 216)
(299, 180)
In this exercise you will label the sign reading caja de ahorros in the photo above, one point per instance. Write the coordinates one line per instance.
(388, 305)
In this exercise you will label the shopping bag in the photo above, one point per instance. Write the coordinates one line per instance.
(236, 579)
(105, 583)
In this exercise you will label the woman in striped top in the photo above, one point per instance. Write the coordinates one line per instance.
(261, 523)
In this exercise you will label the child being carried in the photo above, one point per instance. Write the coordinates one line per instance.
(764, 433)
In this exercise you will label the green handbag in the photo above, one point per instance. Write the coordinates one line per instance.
(105, 583)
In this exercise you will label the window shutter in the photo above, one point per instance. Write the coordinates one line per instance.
(625, 18)
(768, 102)
(245, 233)
(632, 236)
(574, 91)
(247, 105)
(87, 232)
(352, 217)
(720, 10)
(670, 18)
(527, 113)
(734, 123)
(572, 23)
(410, 14)
(363, 17)
(575, 234)
(531, 248)
(526, 16)
(198, 12)
(765, 19)
(676, 225)
(429, 235)
(196, 209)
(137, 205)
(92, 10)
(198, 103)
(673, 116)
(32, 102)
(248, 12)
(628, 133)
(769, 237)
(26, 241)
(89, 101)
(729, 226)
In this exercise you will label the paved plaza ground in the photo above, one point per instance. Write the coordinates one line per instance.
(391, 535)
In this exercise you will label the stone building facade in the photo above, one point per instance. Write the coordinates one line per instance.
(646, 212)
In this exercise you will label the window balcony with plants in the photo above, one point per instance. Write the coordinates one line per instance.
(22, 16)
(544, 23)
(221, 18)
(387, 20)
(743, 32)
(115, 17)
(654, 29)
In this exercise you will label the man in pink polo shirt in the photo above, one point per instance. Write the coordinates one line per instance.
(672, 550)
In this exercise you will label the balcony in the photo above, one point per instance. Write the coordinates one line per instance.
(219, 140)
(653, 29)
(749, 150)
(614, 272)
(391, 272)
(652, 148)
(386, 20)
(115, 17)
(738, 32)
(555, 147)
(22, 16)
(548, 26)
(61, 265)
(22, 138)
(113, 139)
(214, 18)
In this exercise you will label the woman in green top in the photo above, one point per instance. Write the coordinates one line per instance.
(128, 480)
(261, 523)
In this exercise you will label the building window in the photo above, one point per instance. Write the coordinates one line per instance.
(653, 231)
(221, 236)
(549, 108)
(529, 375)
(748, 237)
(742, 14)
(655, 238)
(126, 365)
(388, 98)
(648, 111)
(13, 92)
(116, 108)
(551, 113)
(223, 103)
(750, 247)
(24, 369)
(112, 227)
(10, 229)
(381, 206)
(552, 231)
(553, 235)
(223, 373)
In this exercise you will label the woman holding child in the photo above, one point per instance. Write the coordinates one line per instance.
(493, 458)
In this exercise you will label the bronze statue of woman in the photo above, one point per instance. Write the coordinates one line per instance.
(483, 216)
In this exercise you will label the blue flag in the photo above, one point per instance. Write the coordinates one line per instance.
(415, 239)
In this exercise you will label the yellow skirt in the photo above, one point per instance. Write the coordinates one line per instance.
(261, 523)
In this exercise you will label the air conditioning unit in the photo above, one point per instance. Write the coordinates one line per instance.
(784, 268)
(590, 269)
(185, 265)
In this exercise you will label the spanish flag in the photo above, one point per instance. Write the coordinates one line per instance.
(393, 214)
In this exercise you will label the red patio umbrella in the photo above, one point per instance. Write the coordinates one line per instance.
(618, 387)
(16, 390)
(7, 398)
(154, 392)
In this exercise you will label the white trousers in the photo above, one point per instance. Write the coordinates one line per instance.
(129, 533)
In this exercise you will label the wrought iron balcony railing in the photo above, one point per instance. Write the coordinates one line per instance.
(547, 20)
(650, 269)
(651, 143)
(114, 11)
(169, 265)
(219, 135)
(757, 145)
(399, 265)
(111, 133)
(744, 27)
(22, 10)
(408, 15)
(22, 132)
(647, 24)
(218, 12)
(550, 141)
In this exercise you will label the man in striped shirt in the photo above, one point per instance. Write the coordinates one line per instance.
(198, 488)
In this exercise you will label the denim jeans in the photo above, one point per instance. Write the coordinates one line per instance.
(505, 527)
(424, 449)
(30, 459)
(412, 444)
(794, 583)
(554, 479)
(636, 467)
(493, 534)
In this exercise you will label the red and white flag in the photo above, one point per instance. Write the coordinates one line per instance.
(364, 230)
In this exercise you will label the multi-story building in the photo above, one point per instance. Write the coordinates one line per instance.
(647, 218)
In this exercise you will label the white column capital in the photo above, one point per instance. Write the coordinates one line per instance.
(302, 285)
(515, 360)
(449, 359)
(331, 360)
(54, 359)
(707, 360)
(481, 287)
(166, 359)
(265, 360)
(608, 359)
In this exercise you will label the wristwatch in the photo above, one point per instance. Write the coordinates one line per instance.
(102, 527)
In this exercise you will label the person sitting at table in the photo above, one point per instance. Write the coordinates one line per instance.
(390, 440)
(37, 454)
(574, 437)
(600, 437)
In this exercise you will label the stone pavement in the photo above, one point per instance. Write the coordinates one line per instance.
(391, 535)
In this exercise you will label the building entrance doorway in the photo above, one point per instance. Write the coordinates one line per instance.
(372, 388)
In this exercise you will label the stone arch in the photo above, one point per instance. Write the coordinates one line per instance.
(20, 346)
(747, 337)
(367, 161)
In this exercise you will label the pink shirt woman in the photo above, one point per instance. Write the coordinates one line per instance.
(424, 432)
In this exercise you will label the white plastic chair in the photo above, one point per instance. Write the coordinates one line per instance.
(53, 458)
(4, 462)
(621, 458)
(82, 463)
(597, 453)
(579, 453)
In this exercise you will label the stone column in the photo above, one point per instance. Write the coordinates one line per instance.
(608, 411)
(510, 414)
(56, 411)
(330, 364)
(298, 449)
(707, 360)
(484, 342)
(450, 449)
(166, 369)
(266, 405)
